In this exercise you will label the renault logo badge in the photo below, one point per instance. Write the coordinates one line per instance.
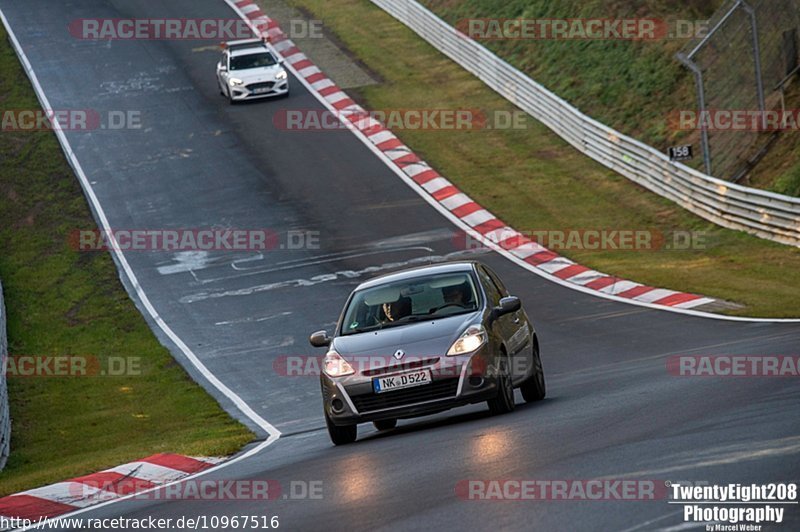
(399, 354)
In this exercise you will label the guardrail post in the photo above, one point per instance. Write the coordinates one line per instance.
(5, 416)
(759, 212)
(757, 61)
(701, 102)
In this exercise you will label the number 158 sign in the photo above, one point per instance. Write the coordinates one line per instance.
(680, 153)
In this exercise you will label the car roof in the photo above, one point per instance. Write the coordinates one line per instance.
(246, 50)
(420, 271)
(246, 46)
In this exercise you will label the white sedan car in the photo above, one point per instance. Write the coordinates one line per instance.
(248, 70)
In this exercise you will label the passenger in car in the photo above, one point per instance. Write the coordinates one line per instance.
(396, 310)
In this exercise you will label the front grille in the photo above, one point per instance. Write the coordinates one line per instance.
(411, 364)
(263, 85)
(440, 389)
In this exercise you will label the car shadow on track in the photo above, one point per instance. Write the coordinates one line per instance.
(432, 423)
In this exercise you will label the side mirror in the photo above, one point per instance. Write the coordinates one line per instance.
(507, 306)
(281, 62)
(320, 339)
(221, 67)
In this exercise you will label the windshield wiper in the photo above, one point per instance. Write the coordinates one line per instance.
(462, 310)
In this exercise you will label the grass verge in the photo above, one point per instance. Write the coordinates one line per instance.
(62, 302)
(630, 85)
(533, 180)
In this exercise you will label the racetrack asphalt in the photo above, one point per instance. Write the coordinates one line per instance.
(612, 410)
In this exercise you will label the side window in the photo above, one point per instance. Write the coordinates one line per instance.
(492, 292)
(498, 284)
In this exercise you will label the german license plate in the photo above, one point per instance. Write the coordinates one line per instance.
(402, 380)
(261, 90)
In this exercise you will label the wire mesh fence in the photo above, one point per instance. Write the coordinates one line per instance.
(759, 212)
(5, 417)
(739, 66)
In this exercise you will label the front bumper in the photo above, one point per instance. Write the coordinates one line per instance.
(257, 91)
(456, 381)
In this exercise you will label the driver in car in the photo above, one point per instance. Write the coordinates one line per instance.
(455, 295)
(396, 310)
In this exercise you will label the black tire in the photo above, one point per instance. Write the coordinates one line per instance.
(341, 435)
(504, 402)
(385, 424)
(534, 388)
(230, 97)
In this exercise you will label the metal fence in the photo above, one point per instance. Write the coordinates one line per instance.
(751, 48)
(5, 416)
(764, 214)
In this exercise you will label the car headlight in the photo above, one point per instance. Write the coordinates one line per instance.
(335, 366)
(281, 75)
(473, 338)
(235, 82)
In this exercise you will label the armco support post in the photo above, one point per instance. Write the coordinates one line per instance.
(5, 416)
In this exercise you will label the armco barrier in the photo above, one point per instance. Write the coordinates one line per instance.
(5, 417)
(765, 214)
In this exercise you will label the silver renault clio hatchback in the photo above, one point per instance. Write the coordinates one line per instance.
(425, 340)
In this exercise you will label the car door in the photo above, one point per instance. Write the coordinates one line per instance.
(222, 70)
(518, 331)
(503, 326)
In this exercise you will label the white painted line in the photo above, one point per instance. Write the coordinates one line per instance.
(337, 97)
(498, 235)
(413, 170)
(694, 303)
(655, 295)
(478, 217)
(525, 250)
(309, 71)
(282, 45)
(619, 287)
(272, 432)
(322, 84)
(556, 265)
(149, 472)
(209, 459)
(72, 494)
(261, 23)
(456, 201)
(382, 136)
(366, 122)
(509, 254)
(294, 58)
(123, 262)
(434, 185)
(398, 153)
(586, 277)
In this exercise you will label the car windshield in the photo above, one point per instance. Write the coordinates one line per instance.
(243, 62)
(403, 302)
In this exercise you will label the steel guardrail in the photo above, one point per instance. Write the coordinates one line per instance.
(765, 214)
(5, 416)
